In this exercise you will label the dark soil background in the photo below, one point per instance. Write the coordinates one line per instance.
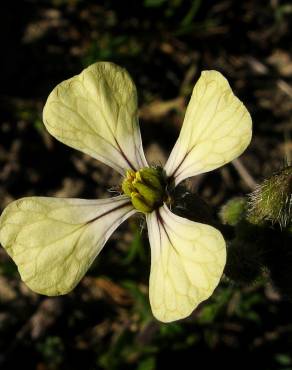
(106, 322)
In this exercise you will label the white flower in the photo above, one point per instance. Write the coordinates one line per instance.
(53, 241)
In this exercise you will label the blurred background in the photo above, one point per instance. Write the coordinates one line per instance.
(106, 322)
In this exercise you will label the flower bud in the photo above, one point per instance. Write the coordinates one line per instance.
(271, 201)
(233, 211)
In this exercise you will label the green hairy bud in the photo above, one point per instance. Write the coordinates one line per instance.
(271, 201)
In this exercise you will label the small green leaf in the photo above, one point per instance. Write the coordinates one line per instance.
(147, 364)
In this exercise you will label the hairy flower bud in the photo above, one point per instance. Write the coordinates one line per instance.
(272, 201)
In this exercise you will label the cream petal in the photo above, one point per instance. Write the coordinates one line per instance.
(53, 241)
(216, 129)
(187, 262)
(96, 112)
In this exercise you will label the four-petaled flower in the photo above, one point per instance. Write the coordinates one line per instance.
(53, 241)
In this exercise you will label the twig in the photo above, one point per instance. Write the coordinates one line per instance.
(244, 174)
(287, 147)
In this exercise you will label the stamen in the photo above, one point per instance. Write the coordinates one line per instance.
(146, 188)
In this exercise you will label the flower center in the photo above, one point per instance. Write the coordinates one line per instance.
(146, 188)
